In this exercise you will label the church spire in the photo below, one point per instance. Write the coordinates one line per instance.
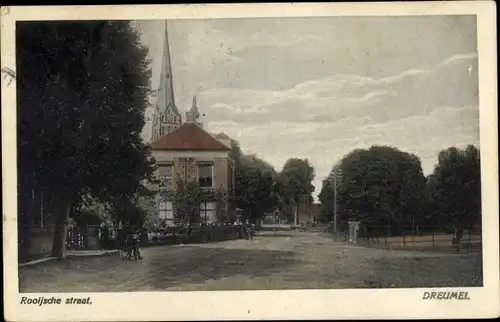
(166, 116)
(166, 83)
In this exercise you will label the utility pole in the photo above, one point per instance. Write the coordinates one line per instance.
(335, 218)
(334, 180)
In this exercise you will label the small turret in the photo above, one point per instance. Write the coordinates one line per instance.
(193, 114)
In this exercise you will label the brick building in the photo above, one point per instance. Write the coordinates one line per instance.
(308, 213)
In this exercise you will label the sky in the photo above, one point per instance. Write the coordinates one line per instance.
(319, 87)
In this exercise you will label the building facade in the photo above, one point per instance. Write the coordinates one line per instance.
(190, 154)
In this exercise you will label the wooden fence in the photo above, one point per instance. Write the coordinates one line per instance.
(427, 238)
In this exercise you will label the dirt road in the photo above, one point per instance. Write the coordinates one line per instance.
(273, 260)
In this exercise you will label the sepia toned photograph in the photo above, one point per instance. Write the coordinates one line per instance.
(252, 153)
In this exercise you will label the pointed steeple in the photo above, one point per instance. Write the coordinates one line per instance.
(166, 116)
(166, 82)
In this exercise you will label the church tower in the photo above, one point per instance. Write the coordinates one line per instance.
(166, 116)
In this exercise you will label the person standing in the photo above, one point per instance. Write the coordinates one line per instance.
(136, 241)
(248, 229)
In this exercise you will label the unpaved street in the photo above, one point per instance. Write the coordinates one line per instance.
(273, 260)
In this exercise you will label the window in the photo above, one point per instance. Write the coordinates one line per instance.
(205, 175)
(165, 176)
(166, 211)
(207, 212)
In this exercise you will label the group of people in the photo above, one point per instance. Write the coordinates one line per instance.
(247, 226)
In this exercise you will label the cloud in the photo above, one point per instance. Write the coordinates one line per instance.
(324, 119)
(412, 73)
(328, 99)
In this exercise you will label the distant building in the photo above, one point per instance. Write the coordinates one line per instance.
(309, 213)
(275, 217)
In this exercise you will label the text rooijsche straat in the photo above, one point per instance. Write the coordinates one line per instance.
(42, 300)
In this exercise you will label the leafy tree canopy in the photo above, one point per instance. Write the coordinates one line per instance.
(82, 92)
(296, 180)
(382, 184)
(454, 187)
(255, 183)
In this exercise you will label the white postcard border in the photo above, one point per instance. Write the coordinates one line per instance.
(300, 304)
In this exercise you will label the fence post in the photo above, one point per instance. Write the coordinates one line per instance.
(433, 232)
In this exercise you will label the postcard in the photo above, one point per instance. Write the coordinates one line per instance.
(250, 161)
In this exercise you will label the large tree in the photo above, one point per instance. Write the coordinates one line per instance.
(327, 196)
(82, 92)
(295, 182)
(382, 186)
(455, 188)
(255, 183)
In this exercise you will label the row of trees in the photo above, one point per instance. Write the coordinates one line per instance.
(260, 188)
(383, 187)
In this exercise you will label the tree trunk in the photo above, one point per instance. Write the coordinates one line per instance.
(296, 214)
(389, 227)
(460, 232)
(61, 202)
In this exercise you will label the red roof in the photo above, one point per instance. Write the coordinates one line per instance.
(188, 136)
